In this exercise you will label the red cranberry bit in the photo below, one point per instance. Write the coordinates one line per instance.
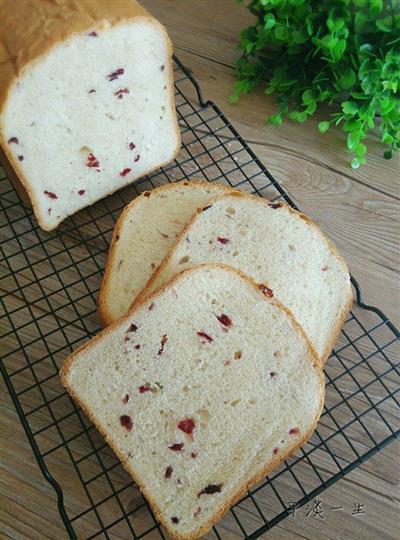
(125, 171)
(210, 489)
(49, 211)
(238, 355)
(92, 161)
(13, 140)
(187, 426)
(137, 158)
(125, 399)
(163, 342)
(176, 447)
(92, 91)
(272, 374)
(227, 363)
(197, 513)
(206, 208)
(81, 192)
(168, 472)
(120, 93)
(162, 67)
(137, 347)
(294, 431)
(275, 450)
(151, 306)
(132, 146)
(126, 421)
(175, 520)
(143, 389)
(93, 34)
(266, 290)
(193, 455)
(204, 337)
(324, 268)
(115, 74)
(146, 194)
(21, 158)
(274, 206)
(127, 338)
(223, 240)
(132, 328)
(50, 194)
(224, 319)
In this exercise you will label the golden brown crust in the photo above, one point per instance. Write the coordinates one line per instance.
(21, 44)
(175, 535)
(265, 202)
(106, 317)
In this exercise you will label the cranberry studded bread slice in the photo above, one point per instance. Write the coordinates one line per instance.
(86, 100)
(280, 248)
(142, 237)
(151, 383)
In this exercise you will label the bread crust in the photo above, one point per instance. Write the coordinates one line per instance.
(22, 48)
(332, 248)
(105, 315)
(270, 465)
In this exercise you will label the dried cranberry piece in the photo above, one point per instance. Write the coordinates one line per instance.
(223, 240)
(193, 455)
(92, 161)
(132, 328)
(82, 192)
(168, 472)
(163, 342)
(175, 520)
(120, 93)
(13, 140)
(132, 146)
(92, 91)
(146, 194)
(143, 389)
(238, 355)
(272, 374)
(49, 211)
(204, 337)
(137, 158)
(126, 421)
(187, 425)
(21, 158)
(125, 171)
(127, 338)
(115, 74)
(294, 431)
(151, 306)
(162, 67)
(125, 399)
(274, 206)
(206, 208)
(210, 489)
(227, 363)
(324, 268)
(224, 319)
(50, 194)
(176, 447)
(275, 450)
(137, 346)
(93, 34)
(266, 290)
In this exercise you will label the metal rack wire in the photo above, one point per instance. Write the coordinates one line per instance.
(49, 307)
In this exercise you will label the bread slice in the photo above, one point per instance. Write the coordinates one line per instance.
(142, 237)
(86, 106)
(278, 247)
(201, 391)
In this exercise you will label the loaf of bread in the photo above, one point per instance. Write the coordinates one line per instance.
(280, 248)
(142, 237)
(86, 100)
(201, 391)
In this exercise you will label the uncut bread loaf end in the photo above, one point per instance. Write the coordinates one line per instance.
(86, 100)
(143, 235)
(151, 383)
(280, 248)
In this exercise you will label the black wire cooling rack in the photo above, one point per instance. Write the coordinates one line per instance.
(50, 283)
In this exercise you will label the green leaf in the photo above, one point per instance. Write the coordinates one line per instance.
(307, 97)
(275, 119)
(347, 79)
(387, 138)
(355, 163)
(385, 24)
(233, 98)
(338, 49)
(349, 107)
(298, 116)
(269, 21)
(388, 154)
(323, 126)
(360, 149)
(375, 7)
(352, 125)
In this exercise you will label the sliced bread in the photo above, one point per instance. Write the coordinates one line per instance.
(142, 237)
(280, 248)
(201, 390)
(86, 100)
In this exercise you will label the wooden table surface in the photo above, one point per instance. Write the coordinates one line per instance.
(358, 209)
